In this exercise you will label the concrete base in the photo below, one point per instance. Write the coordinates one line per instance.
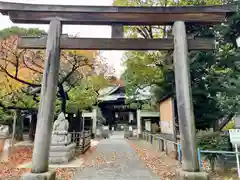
(50, 175)
(61, 154)
(184, 175)
(128, 134)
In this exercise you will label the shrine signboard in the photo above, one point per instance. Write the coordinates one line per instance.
(235, 140)
(234, 136)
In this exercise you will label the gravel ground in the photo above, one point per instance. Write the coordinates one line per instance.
(115, 159)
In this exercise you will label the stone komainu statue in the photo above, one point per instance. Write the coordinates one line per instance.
(60, 133)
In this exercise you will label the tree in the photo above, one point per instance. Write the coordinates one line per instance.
(85, 95)
(214, 75)
(21, 72)
(12, 97)
(17, 31)
(26, 67)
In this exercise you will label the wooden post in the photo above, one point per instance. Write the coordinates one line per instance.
(47, 99)
(117, 31)
(14, 129)
(166, 146)
(184, 99)
(94, 124)
(139, 125)
(174, 129)
(162, 145)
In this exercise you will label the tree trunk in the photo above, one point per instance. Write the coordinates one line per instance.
(33, 125)
(63, 96)
(212, 164)
(19, 126)
(63, 105)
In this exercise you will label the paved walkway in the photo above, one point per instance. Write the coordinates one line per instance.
(114, 159)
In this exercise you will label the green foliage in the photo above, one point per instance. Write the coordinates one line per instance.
(147, 107)
(197, 2)
(81, 98)
(4, 116)
(208, 140)
(141, 71)
(15, 30)
(85, 94)
(214, 75)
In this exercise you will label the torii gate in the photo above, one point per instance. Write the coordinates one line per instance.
(117, 17)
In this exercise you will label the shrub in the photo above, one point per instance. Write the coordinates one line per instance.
(214, 141)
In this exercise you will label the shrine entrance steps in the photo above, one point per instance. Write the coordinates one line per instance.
(114, 159)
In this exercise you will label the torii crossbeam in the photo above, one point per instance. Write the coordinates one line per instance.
(108, 15)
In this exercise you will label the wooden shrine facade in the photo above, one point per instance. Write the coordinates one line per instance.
(117, 17)
(113, 106)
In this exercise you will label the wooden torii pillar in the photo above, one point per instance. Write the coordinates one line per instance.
(47, 99)
(57, 15)
(190, 164)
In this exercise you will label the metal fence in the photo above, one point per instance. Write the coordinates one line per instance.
(224, 159)
(163, 145)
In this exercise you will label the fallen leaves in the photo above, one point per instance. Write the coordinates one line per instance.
(165, 166)
(8, 171)
(22, 154)
(65, 173)
(17, 156)
(162, 165)
(227, 175)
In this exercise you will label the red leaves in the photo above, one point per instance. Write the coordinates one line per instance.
(7, 171)
(65, 173)
(17, 156)
(21, 155)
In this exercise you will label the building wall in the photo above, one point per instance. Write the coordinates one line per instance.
(167, 116)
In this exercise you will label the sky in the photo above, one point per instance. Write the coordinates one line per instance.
(113, 58)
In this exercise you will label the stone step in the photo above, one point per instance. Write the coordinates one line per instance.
(60, 153)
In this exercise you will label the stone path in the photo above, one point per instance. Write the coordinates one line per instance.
(114, 159)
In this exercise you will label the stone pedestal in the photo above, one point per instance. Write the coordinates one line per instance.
(50, 175)
(2, 143)
(4, 133)
(128, 134)
(105, 132)
(61, 150)
(98, 133)
(185, 175)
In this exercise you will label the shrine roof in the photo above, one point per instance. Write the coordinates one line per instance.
(108, 90)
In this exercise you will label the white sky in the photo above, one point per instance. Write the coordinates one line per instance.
(113, 57)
